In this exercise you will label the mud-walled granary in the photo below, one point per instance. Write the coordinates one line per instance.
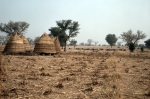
(45, 45)
(57, 45)
(14, 45)
(26, 43)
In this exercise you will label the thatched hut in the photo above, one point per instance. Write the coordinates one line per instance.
(45, 45)
(26, 43)
(14, 45)
(57, 45)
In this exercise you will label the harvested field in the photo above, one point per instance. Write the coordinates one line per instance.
(77, 74)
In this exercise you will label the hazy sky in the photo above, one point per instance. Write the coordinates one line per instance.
(97, 18)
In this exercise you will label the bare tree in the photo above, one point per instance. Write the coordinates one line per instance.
(89, 42)
(119, 43)
(129, 37)
(96, 42)
(36, 39)
(82, 44)
(73, 42)
(31, 42)
(11, 27)
(3, 39)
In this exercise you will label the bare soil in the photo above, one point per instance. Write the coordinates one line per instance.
(77, 74)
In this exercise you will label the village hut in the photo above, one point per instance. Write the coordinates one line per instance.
(26, 43)
(45, 44)
(14, 45)
(57, 45)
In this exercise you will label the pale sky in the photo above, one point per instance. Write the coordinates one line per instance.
(97, 18)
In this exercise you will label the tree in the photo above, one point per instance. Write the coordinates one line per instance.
(11, 27)
(129, 37)
(96, 42)
(31, 42)
(3, 39)
(147, 43)
(119, 43)
(65, 30)
(111, 39)
(82, 44)
(73, 42)
(36, 39)
(56, 32)
(89, 42)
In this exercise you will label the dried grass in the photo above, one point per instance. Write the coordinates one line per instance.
(76, 75)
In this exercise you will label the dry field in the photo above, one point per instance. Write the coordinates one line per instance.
(77, 74)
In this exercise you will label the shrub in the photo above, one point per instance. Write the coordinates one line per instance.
(131, 47)
(142, 49)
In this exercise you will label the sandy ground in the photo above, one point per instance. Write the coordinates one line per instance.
(77, 74)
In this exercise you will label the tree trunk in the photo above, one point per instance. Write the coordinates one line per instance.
(65, 46)
(74, 46)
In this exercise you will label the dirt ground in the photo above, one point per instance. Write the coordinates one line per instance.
(77, 74)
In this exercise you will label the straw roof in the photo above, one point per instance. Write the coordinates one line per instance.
(57, 45)
(14, 44)
(26, 43)
(45, 44)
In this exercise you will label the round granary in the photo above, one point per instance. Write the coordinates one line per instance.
(26, 43)
(57, 45)
(45, 45)
(14, 45)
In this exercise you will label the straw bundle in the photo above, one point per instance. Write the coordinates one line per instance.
(57, 45)
(14, 44)
(45, 45)
(26, 43)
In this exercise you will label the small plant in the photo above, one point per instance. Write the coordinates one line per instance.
(47, 92)
(131, 47)
(94, 82)
(60, 85)
(105, 75)
(45, 74)
(89, 89)
(5, 93)
(126, 70)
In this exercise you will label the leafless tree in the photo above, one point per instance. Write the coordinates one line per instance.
(129, 37)
(3, 39)
(96, 42)
(12, 27)
(119, 43)
(89, 42)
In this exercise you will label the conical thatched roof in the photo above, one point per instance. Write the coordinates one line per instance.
(26, 43)
(45, 45)
(57, 45)
(14, 44)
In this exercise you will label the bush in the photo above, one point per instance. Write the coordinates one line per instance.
(147, 43)
(142, 49)
(131, 47)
